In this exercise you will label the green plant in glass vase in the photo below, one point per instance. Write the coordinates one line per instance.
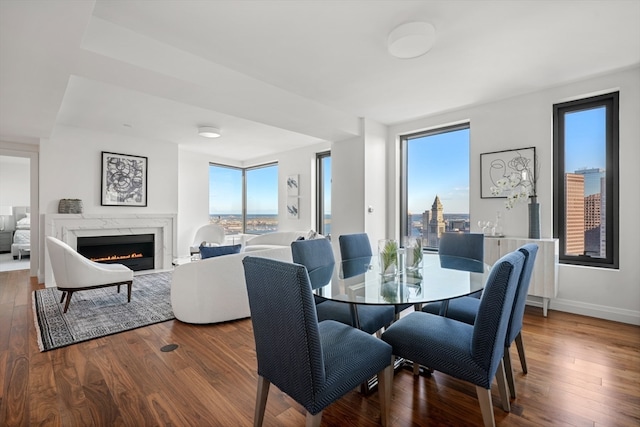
(388, 251)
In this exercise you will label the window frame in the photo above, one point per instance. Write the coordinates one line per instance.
(403, 196)
(320, 191)
(244, 171)
(611, 103)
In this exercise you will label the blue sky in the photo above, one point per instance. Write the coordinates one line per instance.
(585, 139)
(439, 165)
(225, 190)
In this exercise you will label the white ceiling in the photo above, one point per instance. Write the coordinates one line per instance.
(277, 75)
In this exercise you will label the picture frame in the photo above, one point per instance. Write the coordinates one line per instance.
(124, 180)
(293, 210)
(293, 184)
(502, 164)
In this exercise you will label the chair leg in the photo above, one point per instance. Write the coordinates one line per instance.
(416, 369)
(66, 304)
(486, 406)
(64, 294)
(508, 370)
(129, 284)
(385, 384)
(503, 388)
(261, 401)
(313, 420)
(520, 347)
(118, 288)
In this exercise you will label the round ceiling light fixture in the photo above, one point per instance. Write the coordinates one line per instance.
(208, 131)
(411, 40)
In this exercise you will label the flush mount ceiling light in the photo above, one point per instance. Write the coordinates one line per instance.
(411, 40)
(208, 131)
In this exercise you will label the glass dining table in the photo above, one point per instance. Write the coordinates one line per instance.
(437, 278)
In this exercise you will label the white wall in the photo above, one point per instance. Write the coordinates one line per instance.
(525, 121)
(375, 180)
(14, 181)
(193, 197)
(70, 168)
(347, 187)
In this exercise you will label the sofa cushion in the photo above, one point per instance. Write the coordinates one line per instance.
(254, 248)
(214, 251)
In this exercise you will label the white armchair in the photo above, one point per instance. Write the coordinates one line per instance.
(212, 234)
(73, 272)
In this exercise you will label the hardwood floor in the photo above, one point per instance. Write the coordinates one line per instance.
(582, 372)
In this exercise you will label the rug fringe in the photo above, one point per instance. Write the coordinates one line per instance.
(35, 320)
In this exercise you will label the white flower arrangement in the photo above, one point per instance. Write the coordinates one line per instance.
(517, 188)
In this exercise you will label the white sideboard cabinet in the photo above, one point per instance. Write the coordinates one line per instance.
(544, 280)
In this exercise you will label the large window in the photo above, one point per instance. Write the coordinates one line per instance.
(586, 180)
(244, 200)
(323, 182)
(435, 183)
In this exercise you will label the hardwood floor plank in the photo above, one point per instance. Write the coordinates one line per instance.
(126, 393)
(43, 392)
(582, 372)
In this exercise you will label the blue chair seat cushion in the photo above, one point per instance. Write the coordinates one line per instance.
(214, 251)
(350, 357)
(463, 309)
(438, 342)
(371, 317)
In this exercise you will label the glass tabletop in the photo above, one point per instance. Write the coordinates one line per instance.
(438, 278)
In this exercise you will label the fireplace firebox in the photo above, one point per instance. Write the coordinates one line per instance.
(136, 251)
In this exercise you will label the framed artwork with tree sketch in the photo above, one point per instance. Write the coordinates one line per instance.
(124, 180)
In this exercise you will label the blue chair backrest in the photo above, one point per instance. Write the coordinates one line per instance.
(494, 312)
(285, 326)
(530, 252)
(464, 245)
(317, 256)
(354, 246)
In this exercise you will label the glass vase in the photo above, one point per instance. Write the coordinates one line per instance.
(412, 253)
(388, 256)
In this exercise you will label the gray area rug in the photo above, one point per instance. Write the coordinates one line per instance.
(100, 312)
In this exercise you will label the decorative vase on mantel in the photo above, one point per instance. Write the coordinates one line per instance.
(534, 218)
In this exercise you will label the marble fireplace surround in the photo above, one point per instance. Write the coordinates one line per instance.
(68, 227)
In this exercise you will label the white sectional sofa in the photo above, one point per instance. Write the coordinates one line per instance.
(213, 290)
(273, 240)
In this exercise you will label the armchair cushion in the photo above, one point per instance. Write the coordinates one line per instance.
(214, 251)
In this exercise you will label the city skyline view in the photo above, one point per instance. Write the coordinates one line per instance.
(585, 179)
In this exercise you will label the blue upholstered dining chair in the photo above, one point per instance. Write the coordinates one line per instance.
(354, 246)
(471, 353)
(315, 363)
(358, 246)
(465, 309)
(317, 256)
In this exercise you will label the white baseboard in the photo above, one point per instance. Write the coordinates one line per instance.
(592, 310)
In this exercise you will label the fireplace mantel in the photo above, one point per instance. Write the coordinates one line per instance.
(68, 227)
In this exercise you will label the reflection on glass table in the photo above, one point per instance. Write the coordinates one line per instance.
(439, 278)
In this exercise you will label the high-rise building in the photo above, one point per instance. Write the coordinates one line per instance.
(592, 224)
(574, 193)
(436, 224)
(592, 178)
(603, 218)
(426, 217)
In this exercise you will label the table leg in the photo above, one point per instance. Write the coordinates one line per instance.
(355, 320)
(444, 306)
